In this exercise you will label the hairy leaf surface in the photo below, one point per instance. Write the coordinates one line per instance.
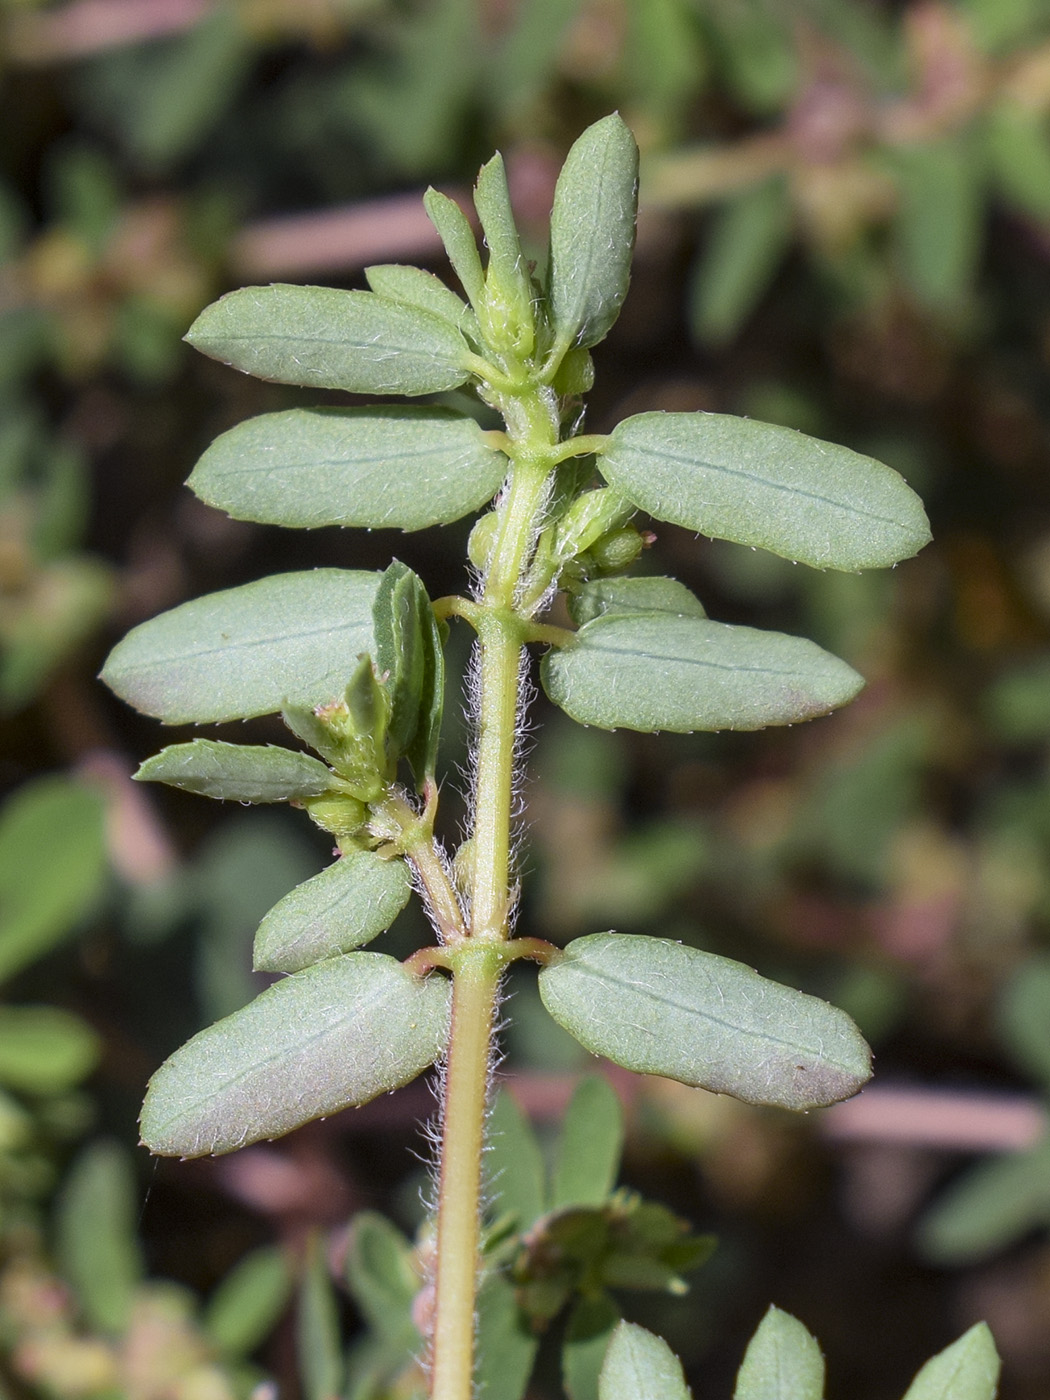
(348, 904)
(658, 1007)
(393, 468)
(658, 671)
(640, 1366)
(330, 339)
(967, 1370)
(633, 595)
(237, 772)
(413, 286)
(782, 1362)
(247, 650)
(592, 233)
(760, 484)
(329, 1038)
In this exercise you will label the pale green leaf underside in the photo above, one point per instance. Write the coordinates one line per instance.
(412, 286)
(237, 772)
(325, 338)
(658, 671)
(640, 1366)
(967, 1370)
(395, 468)
(769, 486)
(782, 1362)
(592, 233)
(633, 595)
(329, 1038)
(246, 651)
(658, 1007)
(349, 903)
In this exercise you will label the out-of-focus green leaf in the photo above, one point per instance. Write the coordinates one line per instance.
(506, 1346)
(52, 867)
(166, 97)
(782, 1362)
(84, 194)
(246, 651)
(639, 1364)
(519, 71)
(317, 1329)
(514, 1163)
(940, 219)
(241, 870)
(1024, 1016)
(999, 25)
(591, 1142)
(62, 502)
(664, 59)
(380, 468)
(658, 1007)
(413, 100)
(96, 1236)
(344, 907)
(330, 339)
(761, 484)
(237, 772)
(754, 49)
(751, 233)
(592, 233)
(633, 595)
(66, 601)
(382, 1274)
(45, 1050)
(967, 1370)
(1017, 144)
(244, 1308)
(1017, 703)
(993, 1205)
(658, 671)
(331, 1037)
(587, 1336)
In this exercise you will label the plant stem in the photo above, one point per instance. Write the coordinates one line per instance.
(475, 989)
(477, 963)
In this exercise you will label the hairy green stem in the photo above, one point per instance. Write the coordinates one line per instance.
(475, 990)
(477, 964)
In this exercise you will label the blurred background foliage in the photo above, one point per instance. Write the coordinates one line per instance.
(845, 228)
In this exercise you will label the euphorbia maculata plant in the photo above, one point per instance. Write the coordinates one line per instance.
(353, 661)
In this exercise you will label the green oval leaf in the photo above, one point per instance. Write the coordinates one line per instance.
(967, 1370)
(245, 651)
(592, 233)
(760, 484)
(658, 1007)
(246, 1304)
(640, 1366)
(657, 671)
(750, 234)
(329, 1038)
(995, 1203)
(782, 1362)
(96, 1239)
(347, 905)
(45, 1050)
(52, 866)
(379, 468)
(633, 595)
(591, 1142)
(330, 339)
(412, 286)
(237, 772)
